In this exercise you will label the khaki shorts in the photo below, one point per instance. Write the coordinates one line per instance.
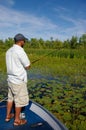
(18, 93)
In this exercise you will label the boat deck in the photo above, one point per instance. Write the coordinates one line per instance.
(34, 121)
(38, 118)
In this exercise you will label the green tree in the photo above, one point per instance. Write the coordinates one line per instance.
(47, 44)
(9, 42)
(73, 42)
(1, 42)
(66, 43)
(82, 40)
(57, 44)
(41, 43)
(1, 45)
(34, 43)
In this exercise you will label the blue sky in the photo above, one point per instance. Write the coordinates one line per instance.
(60, 19)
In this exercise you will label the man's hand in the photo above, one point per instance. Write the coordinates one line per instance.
(27, 67)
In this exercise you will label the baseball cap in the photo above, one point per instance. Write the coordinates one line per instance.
(19, 37)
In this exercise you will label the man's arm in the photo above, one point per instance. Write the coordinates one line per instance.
(25, 60)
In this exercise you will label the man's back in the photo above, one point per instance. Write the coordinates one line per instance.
(16, 61)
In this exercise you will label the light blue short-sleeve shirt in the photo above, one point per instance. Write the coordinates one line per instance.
(16, 61)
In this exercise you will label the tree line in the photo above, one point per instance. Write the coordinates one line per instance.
(72, 43)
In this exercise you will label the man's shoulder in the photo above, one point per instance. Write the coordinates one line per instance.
(9, 50)
(16, 49)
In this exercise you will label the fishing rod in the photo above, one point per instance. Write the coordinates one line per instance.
(41, 57)
(45, 55)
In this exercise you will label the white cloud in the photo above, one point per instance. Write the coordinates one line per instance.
(7, 2)
(75, 24)
(60, 9)
(12, 22)
(27, 23)
(78, 26)
(10, 2)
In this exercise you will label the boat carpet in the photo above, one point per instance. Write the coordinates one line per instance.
(34, 122)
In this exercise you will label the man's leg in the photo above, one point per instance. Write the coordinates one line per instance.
(17, 120)
(9, 108)
(9, 115)
(21, 100)
(17, 113)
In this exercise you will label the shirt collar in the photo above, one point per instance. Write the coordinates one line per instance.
(17, 46)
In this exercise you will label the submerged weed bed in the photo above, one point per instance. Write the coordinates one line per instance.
(64, 96)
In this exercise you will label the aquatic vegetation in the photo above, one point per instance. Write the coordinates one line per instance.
(56, 81)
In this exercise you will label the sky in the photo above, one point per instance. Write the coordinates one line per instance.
(59, 19)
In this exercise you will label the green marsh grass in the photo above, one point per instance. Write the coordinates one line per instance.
(2, 62)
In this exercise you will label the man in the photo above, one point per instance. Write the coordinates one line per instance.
(17, 63)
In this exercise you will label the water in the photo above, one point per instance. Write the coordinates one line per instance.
(64, 96)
